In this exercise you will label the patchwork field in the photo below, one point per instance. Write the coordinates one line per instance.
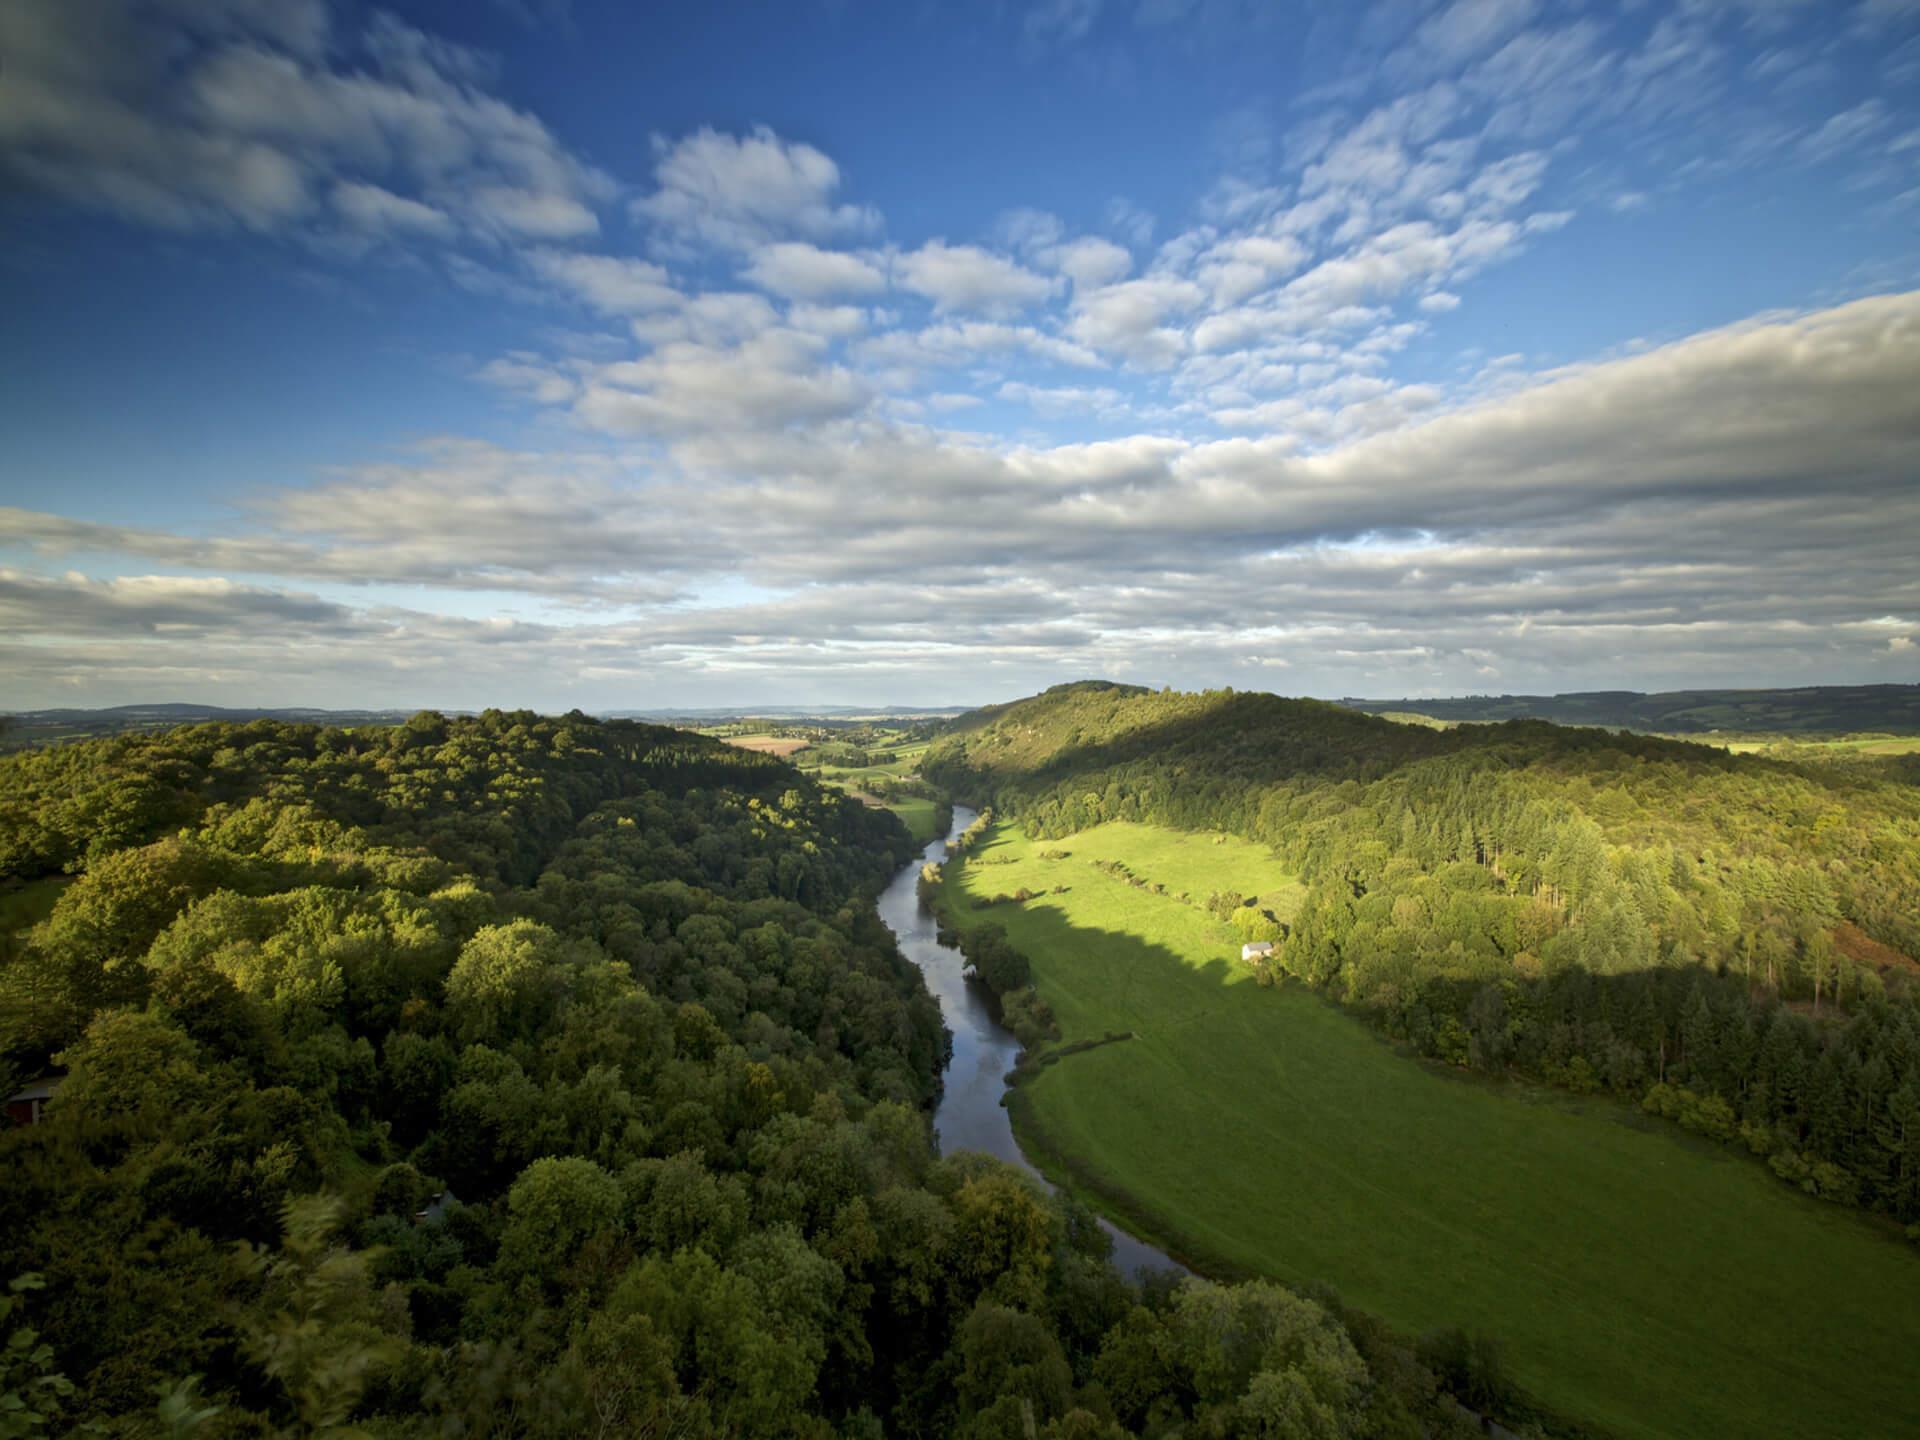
(890, 784)
(768, 744)
(824, 753)
(1792, 748)
(1638, 1279)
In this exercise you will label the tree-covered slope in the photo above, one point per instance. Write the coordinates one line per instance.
(545, 1077)
(1666, 920)
(1819, 709)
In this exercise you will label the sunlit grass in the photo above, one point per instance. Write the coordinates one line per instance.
(1637, 1278)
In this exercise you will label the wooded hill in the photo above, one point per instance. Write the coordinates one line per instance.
(1817, 709)
(1723, 938)
(542, 1077)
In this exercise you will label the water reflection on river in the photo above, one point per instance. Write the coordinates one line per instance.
(971, 1116)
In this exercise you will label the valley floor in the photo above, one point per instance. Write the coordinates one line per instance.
(1637, 1279)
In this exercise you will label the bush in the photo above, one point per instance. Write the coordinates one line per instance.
(991, 957)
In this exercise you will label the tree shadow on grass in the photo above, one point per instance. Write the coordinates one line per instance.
(1446, 1197)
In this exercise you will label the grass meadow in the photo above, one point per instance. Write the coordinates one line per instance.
(1637, 1278)
(1793, 748)
(917, 812)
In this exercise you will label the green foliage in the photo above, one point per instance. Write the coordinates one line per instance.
(619, 990)
(32, 1391)
(557, 1205)
(180, 1412)
(991, 956)
(501, 978)
(315, 1330)
(1283, 1364)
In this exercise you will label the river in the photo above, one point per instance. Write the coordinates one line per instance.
(970, 1115)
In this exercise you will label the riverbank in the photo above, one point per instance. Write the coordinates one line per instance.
(973, 1114)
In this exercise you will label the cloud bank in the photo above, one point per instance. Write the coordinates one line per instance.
(783, 453)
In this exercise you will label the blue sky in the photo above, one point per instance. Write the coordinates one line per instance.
(558, 354)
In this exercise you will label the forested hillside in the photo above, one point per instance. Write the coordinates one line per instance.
(1818, 709)
(1723, 938)
(542, 1077)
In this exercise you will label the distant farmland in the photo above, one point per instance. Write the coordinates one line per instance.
(769, 744)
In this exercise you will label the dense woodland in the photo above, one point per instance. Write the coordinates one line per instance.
(1723, 939)
(1815, 709)
(542, 1077)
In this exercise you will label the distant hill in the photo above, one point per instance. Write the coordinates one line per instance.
(1816, 709)
(1703, 850)
(21, 729)
(722, 714)
(1211, 740)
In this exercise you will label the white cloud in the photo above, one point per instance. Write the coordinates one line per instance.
(1235, 270)
(368, 207)
(806, 272)
(533, 214)
(1845, 130)
(770, 381)
(1439, 302)
(1130, 318)
(1029, 231)
(525, 374)
(1509, 181)
(967, 278)
(1467, 28)
(1063, 400)
(955, 342)
(1131, 223)
(1089, 261)
(610, 283)
(718, 317)
(738, 191)
(230, 112)
(839, 322)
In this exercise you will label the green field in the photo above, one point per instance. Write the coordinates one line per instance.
(1793, 748)
(917, 812)
(819, 750)
(1638, 1279)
